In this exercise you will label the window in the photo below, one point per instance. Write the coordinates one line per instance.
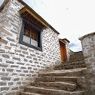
(31, 32)
(30, 35)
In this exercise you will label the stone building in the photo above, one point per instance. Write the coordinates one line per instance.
(88, 45)
(28, 45)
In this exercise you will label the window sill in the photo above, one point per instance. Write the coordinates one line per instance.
(31, 46)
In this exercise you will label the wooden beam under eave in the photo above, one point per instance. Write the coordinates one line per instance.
(37, 18)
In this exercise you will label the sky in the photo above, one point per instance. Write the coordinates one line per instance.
(71, 18)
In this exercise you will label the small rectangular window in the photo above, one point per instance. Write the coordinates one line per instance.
(31, 33)
(32, 27)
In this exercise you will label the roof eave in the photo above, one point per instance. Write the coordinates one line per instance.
(21, 1)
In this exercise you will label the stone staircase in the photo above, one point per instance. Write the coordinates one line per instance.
(65, 79)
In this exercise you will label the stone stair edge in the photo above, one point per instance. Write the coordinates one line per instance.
(28, 93)
(56, 85)
(64, 71)
(42, 88)
(57, 82)
(61, 77)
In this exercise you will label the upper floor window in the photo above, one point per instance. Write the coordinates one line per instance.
(31, 31)
(31, 35)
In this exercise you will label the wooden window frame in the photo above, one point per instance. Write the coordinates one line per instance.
(38, 30)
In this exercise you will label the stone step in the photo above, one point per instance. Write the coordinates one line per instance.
(72, 66)
(28, 93)
(70, 79)
(56, 85)
(78, 64)
(70, 72)
(77, 56)
(45, 91)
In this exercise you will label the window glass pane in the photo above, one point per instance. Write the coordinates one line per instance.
(34, 43)
(26, 39)
(27, 32)
(34, 34)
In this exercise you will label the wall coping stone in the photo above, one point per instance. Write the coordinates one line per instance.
(87, 35)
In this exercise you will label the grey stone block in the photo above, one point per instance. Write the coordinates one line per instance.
(5, 56)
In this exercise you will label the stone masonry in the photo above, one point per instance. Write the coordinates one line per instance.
(64, 79)
(88, 44)
(19, 64)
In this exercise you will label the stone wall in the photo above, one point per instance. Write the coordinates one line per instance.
(88, 45)
(19, 64)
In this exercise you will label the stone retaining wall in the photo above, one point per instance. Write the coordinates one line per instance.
(88, 45)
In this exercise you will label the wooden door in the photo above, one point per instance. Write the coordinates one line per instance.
(63, 52)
